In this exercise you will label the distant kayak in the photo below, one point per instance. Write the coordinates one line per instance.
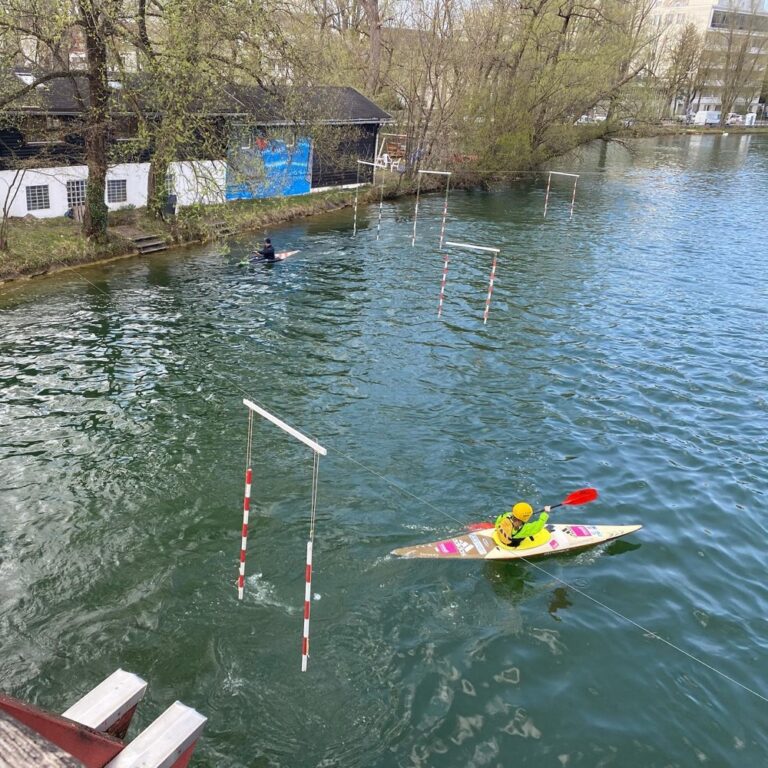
(482, 545)
(257, 259)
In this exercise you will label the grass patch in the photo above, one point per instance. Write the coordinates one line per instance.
(37, 246)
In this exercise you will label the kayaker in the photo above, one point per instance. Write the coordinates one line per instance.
(267, 252)
(513, 527)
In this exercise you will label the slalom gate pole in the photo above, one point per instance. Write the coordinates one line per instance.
(442, 284)
(416, 211)
(445, 210)
(317, 451)
(486, 249)
(381, 206)
(490, 289)
(573, 197)
(357, 189)
(246, 509)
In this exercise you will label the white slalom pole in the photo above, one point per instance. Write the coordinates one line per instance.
(442, 286)
(490, 290)
(357, 189)
(447, 174)
(546, 196)
(381, 205)
(416, 211)
(573, 198)
(445, 210)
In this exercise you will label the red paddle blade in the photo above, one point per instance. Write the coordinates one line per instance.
(582, 496)
(479, 526)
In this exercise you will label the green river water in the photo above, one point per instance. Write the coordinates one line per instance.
(626, 349)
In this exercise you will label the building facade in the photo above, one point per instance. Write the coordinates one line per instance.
(731, 64)
(270, 147)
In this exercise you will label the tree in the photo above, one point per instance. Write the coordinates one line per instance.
(681, 81)
(51, 29)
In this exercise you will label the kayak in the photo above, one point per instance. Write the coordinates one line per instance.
(482, 544)
(256, 259)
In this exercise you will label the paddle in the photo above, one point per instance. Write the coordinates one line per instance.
(582, 496)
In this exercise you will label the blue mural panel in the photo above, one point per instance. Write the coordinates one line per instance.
(271, 168)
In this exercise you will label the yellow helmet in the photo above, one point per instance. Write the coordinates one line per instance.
(522, 511)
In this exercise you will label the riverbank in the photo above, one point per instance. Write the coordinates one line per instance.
(42, 246)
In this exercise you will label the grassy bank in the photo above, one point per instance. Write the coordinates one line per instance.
(40, 246)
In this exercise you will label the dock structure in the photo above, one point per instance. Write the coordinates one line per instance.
(91, 732)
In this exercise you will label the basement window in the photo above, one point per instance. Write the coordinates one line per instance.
(117, 190)
(38, 198)
(75, 193)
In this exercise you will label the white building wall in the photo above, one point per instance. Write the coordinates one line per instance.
(135, 176)
(199, 181)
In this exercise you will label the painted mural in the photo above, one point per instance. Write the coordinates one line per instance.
(269, 167)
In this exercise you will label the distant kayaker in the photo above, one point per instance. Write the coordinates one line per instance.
(267, 252)
(513, 527)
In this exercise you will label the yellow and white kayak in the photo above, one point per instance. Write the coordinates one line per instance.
(483, 545)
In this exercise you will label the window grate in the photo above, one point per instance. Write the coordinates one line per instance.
(117, 190)
(75, 193)
(38, 198)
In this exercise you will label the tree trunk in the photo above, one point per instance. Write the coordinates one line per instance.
(96, 121)
(374, 36)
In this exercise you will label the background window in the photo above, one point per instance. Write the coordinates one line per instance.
(38, 198)
(117, 190)
(75, 193)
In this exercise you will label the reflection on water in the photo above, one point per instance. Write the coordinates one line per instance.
(558, 602)
(625, 350)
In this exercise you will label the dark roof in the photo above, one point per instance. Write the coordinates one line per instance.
(286, 105)
(324, 103)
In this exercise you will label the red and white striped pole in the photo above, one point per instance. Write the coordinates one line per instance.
(486, 249)
(490, 290)
(244, 543)
(442, 286)
(307, 601)
(318, 451)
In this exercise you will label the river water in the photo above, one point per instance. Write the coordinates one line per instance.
(625, 349)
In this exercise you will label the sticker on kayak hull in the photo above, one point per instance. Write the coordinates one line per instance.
(447, 547)
(583, 530)
(477, 541)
